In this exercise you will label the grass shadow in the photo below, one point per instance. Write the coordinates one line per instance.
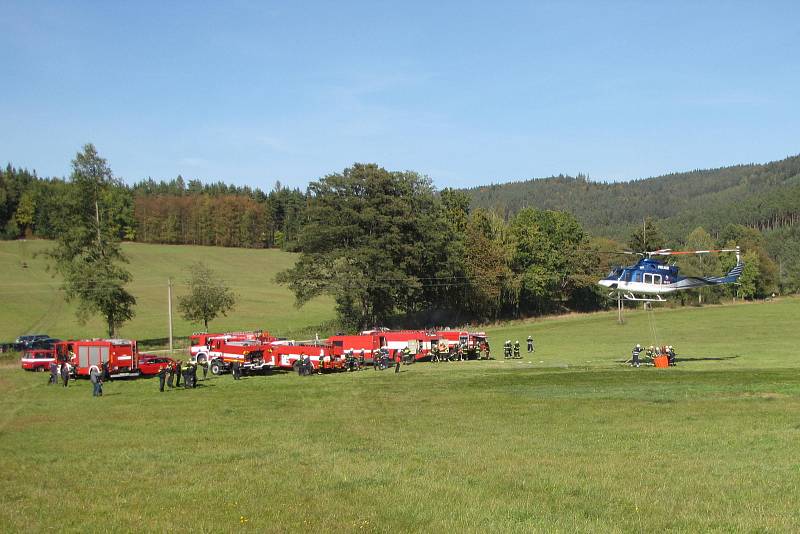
(706, 359)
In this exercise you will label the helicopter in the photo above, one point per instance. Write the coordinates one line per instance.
(649, 279)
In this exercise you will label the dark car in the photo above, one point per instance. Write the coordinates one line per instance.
(26, 341)
(46, 344)
(149, 365)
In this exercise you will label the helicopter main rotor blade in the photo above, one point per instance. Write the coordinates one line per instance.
(667, 252)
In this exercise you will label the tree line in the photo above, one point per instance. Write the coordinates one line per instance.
(388, 246)
(170, 212)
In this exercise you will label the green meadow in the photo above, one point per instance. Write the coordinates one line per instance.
(568, 439)
(32, 303)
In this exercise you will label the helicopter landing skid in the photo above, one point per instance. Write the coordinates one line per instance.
(636, 298)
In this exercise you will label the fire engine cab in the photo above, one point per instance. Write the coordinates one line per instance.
(219, 352)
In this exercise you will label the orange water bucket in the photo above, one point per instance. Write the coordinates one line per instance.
(661, 361)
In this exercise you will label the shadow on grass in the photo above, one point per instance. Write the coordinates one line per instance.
(706, 359)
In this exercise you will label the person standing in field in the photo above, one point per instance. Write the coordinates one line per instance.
(635, 355)
(530, 344)
(397, 359)
(235, 369)
(177, 372)
(65, 373)
(516, 350)
(187, 375)
(170, 374)
(205, 369)
(96, 380)
(162, 375)
(53, 374)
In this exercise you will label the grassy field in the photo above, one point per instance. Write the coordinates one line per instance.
(31, 302)
(565, 440)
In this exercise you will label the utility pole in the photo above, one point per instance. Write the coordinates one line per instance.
(97, 219)
(169, 307)
(644, 234)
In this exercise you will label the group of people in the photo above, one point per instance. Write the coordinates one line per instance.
(444, 354)
(356, 361)
(650, 353)
(63, 370)
(171, 374)
(514, 351)
(98, 374)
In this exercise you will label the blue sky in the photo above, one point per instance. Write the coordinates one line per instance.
(468, 93)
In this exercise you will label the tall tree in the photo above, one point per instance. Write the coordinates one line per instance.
(87, 252)
(548, 259)
(376, 242)
(486, 264)
(646, 237)
(208, 297)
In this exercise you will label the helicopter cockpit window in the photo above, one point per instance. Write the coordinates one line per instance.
(616, 272)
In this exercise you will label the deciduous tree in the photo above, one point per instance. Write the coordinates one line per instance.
(208, 297)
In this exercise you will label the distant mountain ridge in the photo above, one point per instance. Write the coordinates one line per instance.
(764, 196)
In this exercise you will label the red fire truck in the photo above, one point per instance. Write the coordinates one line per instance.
(221, 351)
(357, 344)
(121, 355)
(323, 356)
(470, 344)
(201, 341)
(418, 342)
(37, 359)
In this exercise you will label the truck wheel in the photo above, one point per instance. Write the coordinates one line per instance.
(216, 368)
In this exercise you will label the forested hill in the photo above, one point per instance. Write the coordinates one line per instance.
(764, 196)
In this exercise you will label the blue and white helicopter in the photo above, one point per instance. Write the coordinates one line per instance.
(649, 279)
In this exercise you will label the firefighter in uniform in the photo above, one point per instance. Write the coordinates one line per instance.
(507, 348)
(178, 371)
(187, 376)
(671, 355)
(170, 375)
(53, 373)
(235, 369)
(407, 356)
(635, 355)
(205, 369)
(193, 374)
(516, 350)
(162, 375)
(530, 344)
(65, 373)
(434, 352)
(397, 357)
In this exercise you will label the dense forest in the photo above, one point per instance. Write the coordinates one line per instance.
(171, 212)
(765, 197)
(488, 252)
(762, 197)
